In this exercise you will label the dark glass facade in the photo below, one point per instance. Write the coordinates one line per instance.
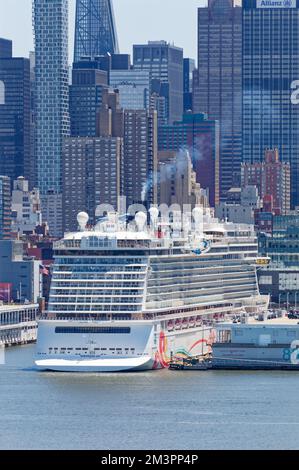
(95, 31)
(165, 64)
(281, 278)
(200, 136)
(5, 48)
(15, 117)
(270, 65)
(189, 66)
(120, 61)
(86, 98)
(218, 82)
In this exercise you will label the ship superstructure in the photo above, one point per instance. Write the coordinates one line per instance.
(132, 296)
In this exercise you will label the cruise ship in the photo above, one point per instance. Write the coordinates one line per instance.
(132, 296)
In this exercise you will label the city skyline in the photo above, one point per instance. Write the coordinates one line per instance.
(19, 29)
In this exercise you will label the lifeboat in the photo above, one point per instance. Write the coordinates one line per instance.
(185, 324)
(178, 324)
(170, 325)
(192, 322)
(198, 321)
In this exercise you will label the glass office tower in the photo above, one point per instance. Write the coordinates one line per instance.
(95, 31)
(270, 65)
(164, 62)
(15, 117)
(218, 82)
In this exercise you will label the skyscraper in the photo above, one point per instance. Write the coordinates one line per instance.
(5, 48)
(218, 81)
(177, 180)
(15, 117)
(32, 167)
(5, 208)
(92, 164)
(52, 103)
(200, 136)
(272, 178)
(189, 66)
(92, 167)
(165, 65)
(95, 31)
(88, 83)
(139, 169)
(133, 86)
(270, 65)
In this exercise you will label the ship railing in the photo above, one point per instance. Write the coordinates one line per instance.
(92, 318)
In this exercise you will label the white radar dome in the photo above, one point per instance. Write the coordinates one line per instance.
(198, 218)
(154, 213)
(82, 219)
(140, 219)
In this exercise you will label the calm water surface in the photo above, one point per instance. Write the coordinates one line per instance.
(153, 410)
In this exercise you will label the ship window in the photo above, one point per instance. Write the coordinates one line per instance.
(92, 330)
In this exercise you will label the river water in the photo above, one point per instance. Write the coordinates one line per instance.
(152, 410)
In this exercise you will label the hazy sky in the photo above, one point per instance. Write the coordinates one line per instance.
(137, 21)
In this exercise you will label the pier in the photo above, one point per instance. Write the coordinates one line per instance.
(196, 363)
(18, 324)
(256, 345)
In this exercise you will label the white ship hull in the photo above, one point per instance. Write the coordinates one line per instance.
(144, 345)
(132, 297)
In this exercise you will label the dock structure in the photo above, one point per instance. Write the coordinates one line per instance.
(196, 363)
(254, 345)
(18, 324)
(266, 345)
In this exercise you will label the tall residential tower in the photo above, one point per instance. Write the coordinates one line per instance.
(95, 31)
(52, 103)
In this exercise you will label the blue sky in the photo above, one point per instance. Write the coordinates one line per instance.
(137, 22)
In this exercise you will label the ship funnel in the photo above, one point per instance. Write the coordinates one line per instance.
(82, 219)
